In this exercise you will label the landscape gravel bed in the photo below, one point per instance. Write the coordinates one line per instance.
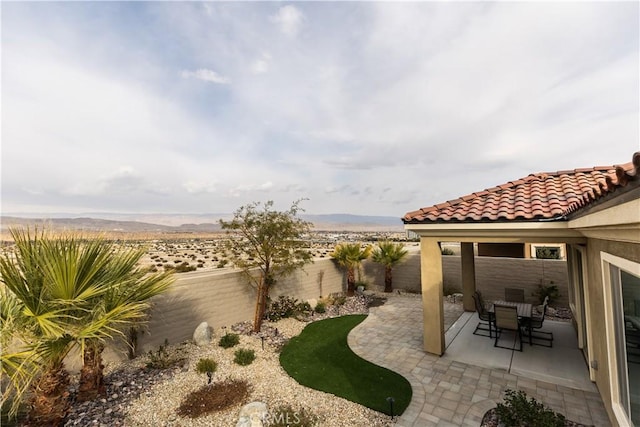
(139, 396)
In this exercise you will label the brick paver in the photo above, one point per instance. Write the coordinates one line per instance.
(450, 393)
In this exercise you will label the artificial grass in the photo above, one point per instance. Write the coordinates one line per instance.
(320, 358)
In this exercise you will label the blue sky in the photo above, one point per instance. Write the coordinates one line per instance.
(361, 107)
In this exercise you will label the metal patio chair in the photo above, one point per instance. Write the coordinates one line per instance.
(486, 318)
(506, 319)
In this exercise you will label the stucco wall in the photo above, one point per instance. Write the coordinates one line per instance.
(597, 324)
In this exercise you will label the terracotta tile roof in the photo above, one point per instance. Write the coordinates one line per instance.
(538, 196)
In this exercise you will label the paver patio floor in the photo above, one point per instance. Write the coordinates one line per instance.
(448, 392)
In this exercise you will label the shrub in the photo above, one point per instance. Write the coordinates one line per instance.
(320, 307)
(207, 366)
(244, 357)
(281, 308)
(447, 251)
(229, 340)
(550, 291)
(161, 359)
(185, 267)
(517, 411)
(222, 263)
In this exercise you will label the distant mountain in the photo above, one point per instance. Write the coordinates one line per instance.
(190, 223)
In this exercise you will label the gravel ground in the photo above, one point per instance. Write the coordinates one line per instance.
(148, 397)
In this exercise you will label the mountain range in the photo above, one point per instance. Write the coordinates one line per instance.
(186, 223)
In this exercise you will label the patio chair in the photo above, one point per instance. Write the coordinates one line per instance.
(536, 322)
(486, 318)
(514, 294)
(506, 318)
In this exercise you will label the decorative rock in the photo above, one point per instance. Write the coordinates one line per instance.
(253, 414)
(312, 302)
(202, 335)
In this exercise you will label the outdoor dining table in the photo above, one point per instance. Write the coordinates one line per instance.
(524, 309)
(524, 312)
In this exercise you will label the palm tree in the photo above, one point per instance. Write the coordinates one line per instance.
(350, 256)
(59, 292)
(389, 254)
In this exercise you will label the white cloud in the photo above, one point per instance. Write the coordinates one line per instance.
(290, 20)
(205, 75)
(369, 107)
(261, 65)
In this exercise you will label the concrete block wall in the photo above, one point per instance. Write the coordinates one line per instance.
(223, 298)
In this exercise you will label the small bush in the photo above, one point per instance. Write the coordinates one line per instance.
(207, 366)
(286, 416)
(185, 267)
(320, 307)
(304, 308)
(447, 251)
(161, 359)
(517, 411)
(281, 308)
(222, 263)
(244, 357)
(550, 291)
(229, 340)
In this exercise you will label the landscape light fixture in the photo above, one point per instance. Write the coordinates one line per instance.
(390, 400)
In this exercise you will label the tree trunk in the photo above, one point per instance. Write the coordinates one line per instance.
(261, 303)
(50, 399)
(388, 287)
(92, 374)
(351, 282)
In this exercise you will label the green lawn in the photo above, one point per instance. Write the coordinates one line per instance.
(320, 358)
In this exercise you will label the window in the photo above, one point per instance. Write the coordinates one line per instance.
(622, 287)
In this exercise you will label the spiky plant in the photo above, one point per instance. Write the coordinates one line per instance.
(388, 254)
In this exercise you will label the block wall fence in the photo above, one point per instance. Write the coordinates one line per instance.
(223, 298)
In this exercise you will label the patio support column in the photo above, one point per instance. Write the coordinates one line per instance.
(432, 307)
(468, 276)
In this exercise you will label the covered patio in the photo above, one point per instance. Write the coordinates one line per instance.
(595, 213)
(458, 388)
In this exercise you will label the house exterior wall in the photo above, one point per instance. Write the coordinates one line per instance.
(598, 309)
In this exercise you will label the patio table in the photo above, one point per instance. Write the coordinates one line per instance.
(524, 313)
(524, 309)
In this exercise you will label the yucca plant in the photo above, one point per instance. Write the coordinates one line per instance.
(60, 292)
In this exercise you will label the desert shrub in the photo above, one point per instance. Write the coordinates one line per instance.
(207, 366)
(229, 340)
(518, 411)
(213, 397)
(339, 300)
(286, 415)
(550, 291)
(281, 308)
(162, 359)
(244, 357)
(185, 267)
(320, 307)
(222, 263)
(447, 251)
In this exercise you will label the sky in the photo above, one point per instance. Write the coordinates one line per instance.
(368, 108)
